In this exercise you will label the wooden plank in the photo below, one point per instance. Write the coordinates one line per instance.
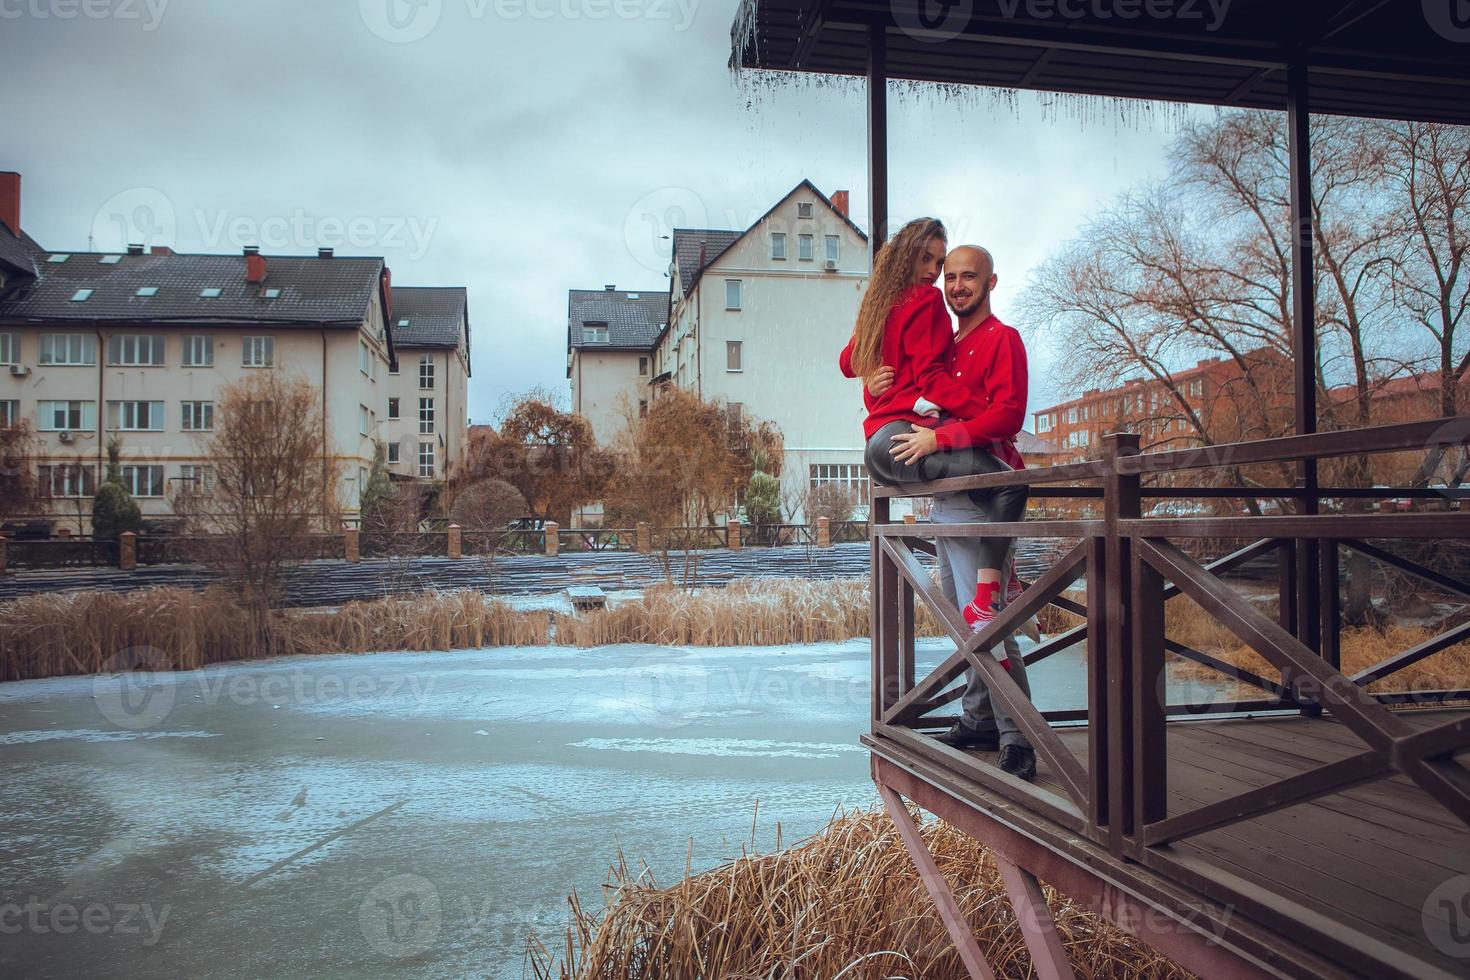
(1422, 526)
(996, 529)
(1048, 955)
(1067, 473)
(938, 889)
(1411, 656)
(1150, 758)
(1411, 567)
(1098, 765)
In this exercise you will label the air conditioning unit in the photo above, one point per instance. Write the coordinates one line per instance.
(19, 370)
(831, 265)
(64, 436)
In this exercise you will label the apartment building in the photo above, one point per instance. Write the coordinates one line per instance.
(137, 346)
(427, 414)
(610, 338)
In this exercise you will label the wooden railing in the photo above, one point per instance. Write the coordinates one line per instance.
(1131, 566)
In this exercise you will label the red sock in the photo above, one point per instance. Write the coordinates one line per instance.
(984, 593)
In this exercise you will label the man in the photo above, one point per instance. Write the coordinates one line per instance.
(990, 356)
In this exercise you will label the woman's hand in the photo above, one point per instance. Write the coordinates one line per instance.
(880, 381)
(910, 447)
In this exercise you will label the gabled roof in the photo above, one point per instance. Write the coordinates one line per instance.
(17, 252)
(634, 318)
(438, 316)
(314, 290)
(687, 241)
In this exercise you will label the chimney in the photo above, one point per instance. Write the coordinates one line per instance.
(161, 250)
(252, 250)
(10, 201)
(324, 253)
(254, 267)
(135, 248)
(839, 201)
(610, 286)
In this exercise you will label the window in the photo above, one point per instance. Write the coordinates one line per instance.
(199, 351)
(9, 348)
(132, 416)
(9, 412)
(272, 292)
(778, 245)
(426, 459)
(81, 295)
(732, 294)
(805, 248)
(734, 355)
(642, 367)
(146, 291)
(851, 476)
(67, 480)
(426, 370)
(594, 333)
(1043, 423)
(362, 419)
(135, 350)
(392, 409)
(198, 416)
(364, 357)
(257, 352)
(109, 260)
(804, 209)
(196, 480)
(426, 415)
(68, 348)
(1072, 415)
(210, 292)
(143, 481)
(58, 258)
(66, 416)
(834, 247)
(392, 452)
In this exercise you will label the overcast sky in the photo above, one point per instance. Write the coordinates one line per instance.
(518, 147)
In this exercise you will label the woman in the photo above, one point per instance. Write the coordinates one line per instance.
(903, 325)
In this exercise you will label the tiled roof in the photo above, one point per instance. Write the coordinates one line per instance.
(633, 319)
(313, 290)
(438, 316)
(18, 253)
(687, 245)
(1031, 444)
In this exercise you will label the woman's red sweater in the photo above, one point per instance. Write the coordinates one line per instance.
(918, 343)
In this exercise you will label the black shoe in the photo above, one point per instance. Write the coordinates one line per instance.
(1019, 761)
(962, 736)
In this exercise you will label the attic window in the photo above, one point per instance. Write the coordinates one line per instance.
(594, 333)
(109, 260)
(403, 322)
(58, 258)
(271, 292)
(81, 295)
(147, 291)
(632, 295)
(804, 209)
(210, 292)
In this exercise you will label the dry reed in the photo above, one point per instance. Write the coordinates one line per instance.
(845, 903)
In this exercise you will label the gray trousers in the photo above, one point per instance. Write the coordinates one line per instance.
(960, 561)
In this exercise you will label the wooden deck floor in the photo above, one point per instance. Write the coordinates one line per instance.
(1349, 875)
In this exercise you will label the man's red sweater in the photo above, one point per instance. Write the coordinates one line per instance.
(918, 343)
(991, 360)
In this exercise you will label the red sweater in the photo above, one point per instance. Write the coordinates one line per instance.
(991, 359)
(918, 343)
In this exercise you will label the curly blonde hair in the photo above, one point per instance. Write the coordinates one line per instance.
(893, 273)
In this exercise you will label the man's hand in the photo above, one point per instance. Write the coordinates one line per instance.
(880, 381)
(910, 447)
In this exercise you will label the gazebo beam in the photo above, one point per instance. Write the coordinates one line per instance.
(877, 137)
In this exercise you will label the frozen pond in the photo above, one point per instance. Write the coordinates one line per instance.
(403, 814)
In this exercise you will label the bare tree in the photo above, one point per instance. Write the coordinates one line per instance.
(19, 493)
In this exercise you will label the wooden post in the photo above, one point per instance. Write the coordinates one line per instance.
(1121, 500)
(351, 546)
(127, 551)
(644, 538)
(877, 136)
(823, 534)
(4, 552)
(732, 535)
(455, 543)
(553, 543)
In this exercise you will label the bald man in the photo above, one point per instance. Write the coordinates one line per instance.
(989, 355)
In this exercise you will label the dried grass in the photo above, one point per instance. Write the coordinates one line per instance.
(845, 903)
